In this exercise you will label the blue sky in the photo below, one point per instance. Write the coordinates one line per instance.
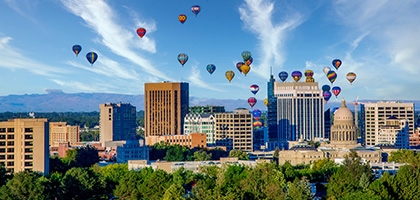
(378, 40)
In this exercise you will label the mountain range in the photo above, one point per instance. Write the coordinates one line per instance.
(58, 101)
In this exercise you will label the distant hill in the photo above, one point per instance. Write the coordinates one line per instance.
(58, 101)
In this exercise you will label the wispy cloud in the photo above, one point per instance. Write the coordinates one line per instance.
(12, 59)
(196, 80)
(101, 18)
(257, 16)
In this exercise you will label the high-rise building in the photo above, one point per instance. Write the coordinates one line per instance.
(61, 132)
(394, 132)
(206, 109)
(376, 114)
(117, 122)
(201, 123)
(24, 145)
(165, 106)
(234, 130)
(272, 125)
(300, 111)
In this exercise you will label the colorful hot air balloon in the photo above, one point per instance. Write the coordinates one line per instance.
(309, 73)
(252, 101)
(91, 57)
(182, 58)
(141, 32)
(239, 65)
(326, 88)
(195, 9)
(296, 75)
(351, 77)
(336, 90)
(182, 18)
(249, 61)
(257, 124)
(254, 88)
(211, 68)
(331, 75)
(336, 63)
(283, 75)
(266, 101)
(229, 75)
(246, 55)
(256, 113)
(326, 70)
(245, 69)
(76, 49)
(326, 95)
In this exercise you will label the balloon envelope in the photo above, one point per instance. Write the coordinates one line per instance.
(326, 88)
(283, 75)
(182, 58)
(331, 75)
(326, 95)
(195, 9)
(254, 88)
(239, 65)
(252, 101)
(336, 90)
(257, 124)
(309, 73)
(246, 55)
(229, 75)
(91, 57)
(266, 101)
(326, 70)
(182, 18)
(76, 49)
(245, 69)
(296, 75)
(351, 77)
(336, 63)
(256, 114)
(141, 32)
(211, 68)
(249, 61)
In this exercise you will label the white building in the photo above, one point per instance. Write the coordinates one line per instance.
(129, 150)
(376, 114)
(394, 132)
(201, 123)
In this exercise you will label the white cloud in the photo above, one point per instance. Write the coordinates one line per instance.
(196, 80)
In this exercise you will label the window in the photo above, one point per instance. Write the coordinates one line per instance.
(28, 144)
(29, 137)
(29, 130)
(2, 136)
(10, 130)
(10, 150)
(28, 157)
(10, 143)
(28, 150)
(10, 163)
(10, 137)
(10, 156)
(2, 130)
(28, 164)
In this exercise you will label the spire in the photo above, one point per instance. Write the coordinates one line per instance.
(343, 103)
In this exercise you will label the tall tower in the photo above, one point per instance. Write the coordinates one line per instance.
(117, 122)
(300, 111)
(165, 106)
(272, 111)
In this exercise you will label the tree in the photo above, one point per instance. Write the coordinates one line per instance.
(276, 155)
(299, 189)
(174, 192)
(113, 173)
(128, 187)
(82, 157)
(241, 155)
(406, 182)
(155, 184)
(405, 156)
(177, 153)
(25, 185)
(202, 156)
(3, 175)
(83, 183)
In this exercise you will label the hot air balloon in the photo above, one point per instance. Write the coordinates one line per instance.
(331, 75)
(336, 63)
(257, 124)
(283, 75)
(141, 32)
(326, 70)
(256, 113)
(266, 101)
(252, 101)
(326, 88)
(245, 69)
(351, 77)
(182, 18)
(91, 57)
(254, 88)
(195, 9)
(309, 73)
(229, 75)
(249, 61)
(76, 49)
(326, 95)
(211, 68)
(297, 75)
(239, 65)
(336, 90)
(246, 55)
(182, 58)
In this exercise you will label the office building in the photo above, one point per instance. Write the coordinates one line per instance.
(60, 132)
(117, 122)
(206, 109)
(165, 106)
(24, 145)
(395, 132)
(201, 123)
(300, 112)
(376, 114)
(272, 125)
(192, 140)
(234, 130)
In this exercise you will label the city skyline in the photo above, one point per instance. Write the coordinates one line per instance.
(377, 41)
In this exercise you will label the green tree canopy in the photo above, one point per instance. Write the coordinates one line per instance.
(241, 155)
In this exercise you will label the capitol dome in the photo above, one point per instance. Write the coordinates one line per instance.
(343, 113)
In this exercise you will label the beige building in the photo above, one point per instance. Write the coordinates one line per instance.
(165, 106)
(192, 140)
(395, 132)
(24, 145)
(376, 115)
(61, 132)
(234, 130)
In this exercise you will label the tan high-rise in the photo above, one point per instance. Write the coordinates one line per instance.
(61, 132)
(24, 145)
(165, 106)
